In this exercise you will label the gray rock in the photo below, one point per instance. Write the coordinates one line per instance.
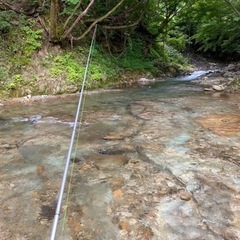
(218, 88)
(229, 74)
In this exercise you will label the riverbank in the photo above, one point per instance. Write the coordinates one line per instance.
(224, 79)
(218, 78)
(31, 99)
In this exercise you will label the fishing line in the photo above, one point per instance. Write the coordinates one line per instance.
(65, 209)
(61, 192)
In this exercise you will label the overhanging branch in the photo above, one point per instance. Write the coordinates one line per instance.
(98, 20)
(69, 30)
(124, 26)
(72, 14)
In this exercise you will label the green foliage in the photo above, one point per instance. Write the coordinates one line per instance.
(135, 60)
(71, 66)
(26, 40)
(21, 42)
(66, 66)
(160, 14)
(216, 35)
(5, 21)
(16, 82)
(213, 26)
(33, 40)
(72, 1)
(105, 65)
(166, 53)
(177, 39)
(174, 56)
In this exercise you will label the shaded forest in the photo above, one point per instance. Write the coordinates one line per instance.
(44, 43)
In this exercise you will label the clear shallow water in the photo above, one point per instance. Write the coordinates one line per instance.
(145, 167)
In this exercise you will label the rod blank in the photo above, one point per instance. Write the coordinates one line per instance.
(61, 192)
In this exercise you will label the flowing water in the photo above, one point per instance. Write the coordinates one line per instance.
(157, 162)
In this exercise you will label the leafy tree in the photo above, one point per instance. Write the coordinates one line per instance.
(233, 6)
(73, 20)
(213, 26)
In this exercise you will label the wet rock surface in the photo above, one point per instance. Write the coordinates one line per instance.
(146, 165)
(222, 79)
(221, 124)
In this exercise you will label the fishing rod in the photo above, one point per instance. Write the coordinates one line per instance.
(61, 192)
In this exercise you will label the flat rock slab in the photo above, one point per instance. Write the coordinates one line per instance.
(221, 124)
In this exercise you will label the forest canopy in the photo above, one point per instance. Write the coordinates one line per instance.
(208, 26)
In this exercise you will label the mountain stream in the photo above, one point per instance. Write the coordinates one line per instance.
(154, 162)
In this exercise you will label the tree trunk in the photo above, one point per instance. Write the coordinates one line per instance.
(53, 24)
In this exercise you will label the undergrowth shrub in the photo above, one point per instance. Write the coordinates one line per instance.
(32, 41)
(65, 66)
(22, 41)
(169, 54)
(71, 66)
(174, 56)
(135, 60)
(5, 21)
(16, 82)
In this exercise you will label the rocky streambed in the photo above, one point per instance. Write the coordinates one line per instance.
(159, 162)
(222, 78)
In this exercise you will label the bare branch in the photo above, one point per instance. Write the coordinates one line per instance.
(124, 26)
(98, 20)
(9, 6)
(69, 30)
(43, 24)
(72, 14)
